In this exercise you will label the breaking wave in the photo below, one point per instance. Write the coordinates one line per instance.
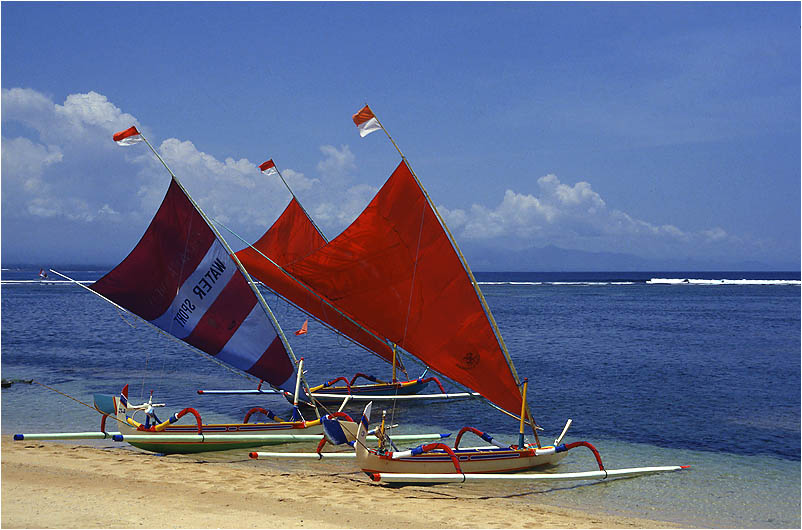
(692, 281)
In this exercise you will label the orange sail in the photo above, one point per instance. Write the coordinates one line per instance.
(395, 271)
(291, 238)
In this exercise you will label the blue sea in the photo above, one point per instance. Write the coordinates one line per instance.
(654, 368)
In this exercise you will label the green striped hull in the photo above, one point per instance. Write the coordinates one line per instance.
(171, 448)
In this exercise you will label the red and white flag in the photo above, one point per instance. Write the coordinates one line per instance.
(129, 136)
(366, 121)
(303, 329)
(269, 167)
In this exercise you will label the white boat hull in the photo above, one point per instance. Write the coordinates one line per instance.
(471, 460)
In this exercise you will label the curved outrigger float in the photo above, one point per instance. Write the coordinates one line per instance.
(438, 463)
(332, 393)
(441, 458)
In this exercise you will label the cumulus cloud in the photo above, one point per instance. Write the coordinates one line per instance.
(573, 216)
(79, 119)
(61, 165)
(339, 214)
(338, 162)
(24, 162)
(53, 171)
(298, 181)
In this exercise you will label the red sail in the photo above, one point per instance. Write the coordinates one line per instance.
(395, 271)
(291, 238)
(182, 280)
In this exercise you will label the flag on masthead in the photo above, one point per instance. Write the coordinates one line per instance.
(268, 167)
(304, 328)
(129, 136)
(366, 121)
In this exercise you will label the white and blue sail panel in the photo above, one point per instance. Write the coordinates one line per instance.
(180, 278)
(198, 292)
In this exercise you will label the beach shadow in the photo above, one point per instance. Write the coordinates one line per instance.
(447, 495)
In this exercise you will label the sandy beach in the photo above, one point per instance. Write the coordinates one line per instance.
(56, 485)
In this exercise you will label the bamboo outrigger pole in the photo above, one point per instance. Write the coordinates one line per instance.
(468, 270)
(241, 268)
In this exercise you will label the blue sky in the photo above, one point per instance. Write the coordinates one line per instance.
(662, 130)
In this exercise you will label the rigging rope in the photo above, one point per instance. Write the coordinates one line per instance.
(409, 304)
(122, 317)
(74, 399)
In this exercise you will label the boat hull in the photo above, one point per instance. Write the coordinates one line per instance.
(189, 437)
(335, 395)
(221, 431)
(471, 460)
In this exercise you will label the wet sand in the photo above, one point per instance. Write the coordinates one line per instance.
(58, 485)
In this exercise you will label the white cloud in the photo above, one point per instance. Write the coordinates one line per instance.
(69, 169)
(24, 161)
(64, 166)
(48, 173)
(82, 117)
(715, 234)
(570, 216)
(338, 162)
(340, 212)
(299, 182)
(232, 191)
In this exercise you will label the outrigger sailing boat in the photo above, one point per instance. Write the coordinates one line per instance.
(291, 239)
(184, 279)
(398, 270)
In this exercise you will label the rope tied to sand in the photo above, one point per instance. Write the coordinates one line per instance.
(76, 400)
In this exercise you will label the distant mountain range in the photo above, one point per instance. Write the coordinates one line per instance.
(555, 259)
